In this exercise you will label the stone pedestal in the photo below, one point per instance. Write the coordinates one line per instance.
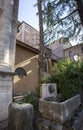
(49, 89)
(6, 85)
(5, 96)
(21, 117)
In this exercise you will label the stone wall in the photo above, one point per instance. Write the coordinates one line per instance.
(77, 49)
(57, 115)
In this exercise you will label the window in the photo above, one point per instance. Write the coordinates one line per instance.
(70, 54)
(26, 28)
(46, 65)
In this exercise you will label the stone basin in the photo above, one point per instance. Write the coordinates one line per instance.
(58, 111)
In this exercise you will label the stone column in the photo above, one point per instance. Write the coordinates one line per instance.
(8, 32)
(5, 97)
(12, 47)
(21, 117)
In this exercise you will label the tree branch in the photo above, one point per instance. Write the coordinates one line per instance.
(66, 17)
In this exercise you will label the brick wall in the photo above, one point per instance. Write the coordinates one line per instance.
(75, 50)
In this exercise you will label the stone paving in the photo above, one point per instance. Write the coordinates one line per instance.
(78, 122)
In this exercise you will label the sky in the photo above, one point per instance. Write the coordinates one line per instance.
(27, 13)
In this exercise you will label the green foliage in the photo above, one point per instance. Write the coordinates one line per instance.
(33, 98)
(61, 19)
(37, 92)
(44, 79)
(68, 76)
(29, 99)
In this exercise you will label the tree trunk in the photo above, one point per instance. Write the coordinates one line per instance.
(41, 39)
(81, 95)
(80, 9)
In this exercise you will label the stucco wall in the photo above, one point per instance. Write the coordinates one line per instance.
(29, 61)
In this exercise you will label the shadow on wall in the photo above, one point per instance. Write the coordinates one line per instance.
(29, 82)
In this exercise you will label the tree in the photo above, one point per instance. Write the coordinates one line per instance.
(80, 9)
(69, 77)
(41, 39)
(61, 17)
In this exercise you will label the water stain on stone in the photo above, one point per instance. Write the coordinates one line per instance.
(1, 5)
(1, 12)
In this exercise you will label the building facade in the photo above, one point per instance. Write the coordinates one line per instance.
(27, 58)
(72, 51)
(29, 35)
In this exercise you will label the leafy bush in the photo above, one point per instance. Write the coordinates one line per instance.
(68, 76)
(44, 79)
(28, 98)
(37, 92)
(33, 98)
